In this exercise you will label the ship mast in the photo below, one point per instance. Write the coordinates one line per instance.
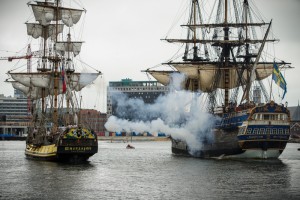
(247, 56)
(195, 54)
(29, 54)
(228, 63)
(56, 75)
(50, 19)
(69, 71)
(226, 53)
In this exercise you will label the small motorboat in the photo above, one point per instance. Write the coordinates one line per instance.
(129, 147)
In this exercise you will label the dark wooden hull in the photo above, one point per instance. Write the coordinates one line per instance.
(231, 147)
(257, 132)
(68, 150)
(76, 153)
(223, 144)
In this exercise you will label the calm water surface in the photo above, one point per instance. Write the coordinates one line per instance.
(148, 172)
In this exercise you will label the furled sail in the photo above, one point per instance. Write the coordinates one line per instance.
(76, 81)
(44, 14)
(37, 30)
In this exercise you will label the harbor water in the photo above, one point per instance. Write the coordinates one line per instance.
(149, 171)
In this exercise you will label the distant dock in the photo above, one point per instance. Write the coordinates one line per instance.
(129, 139)
(11, 137)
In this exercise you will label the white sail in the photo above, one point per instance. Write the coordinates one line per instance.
(74, 47)
(81, 80)
(23, 79)
(32, 79)
(76, 81)
(45, 14)
(21, 87)
(162, 77)
(41, 84)
(41, 80)
(205, 73)
(31, 92)
(37, 30)
(70, 17)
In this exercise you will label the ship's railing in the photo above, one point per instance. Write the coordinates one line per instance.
(261, 130)
(268, 122)
(80, 142)
(270, 116)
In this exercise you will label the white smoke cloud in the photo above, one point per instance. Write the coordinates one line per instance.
(177, 114)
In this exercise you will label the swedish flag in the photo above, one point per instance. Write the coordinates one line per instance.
(278, 78)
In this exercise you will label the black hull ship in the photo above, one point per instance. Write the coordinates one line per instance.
(73, 145)
(224, 58)
(56, 133)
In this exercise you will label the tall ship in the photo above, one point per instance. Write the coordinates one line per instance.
(225, 56)
(52, 84)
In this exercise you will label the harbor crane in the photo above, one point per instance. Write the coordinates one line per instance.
(28, 56)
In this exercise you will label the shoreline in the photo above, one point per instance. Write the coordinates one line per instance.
(124, 138)
(129, 138)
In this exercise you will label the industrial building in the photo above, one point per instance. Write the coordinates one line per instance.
(295, 121)
(94, 120)
(15, 116)
(148, 91)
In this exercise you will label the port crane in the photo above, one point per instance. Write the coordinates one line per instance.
(28, 56)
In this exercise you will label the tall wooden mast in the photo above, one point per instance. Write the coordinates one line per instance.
(56, 75)
(247, 57)
(194, 31)
(226, 55)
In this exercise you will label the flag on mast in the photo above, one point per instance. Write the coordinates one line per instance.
(63, 78)
(278, 78)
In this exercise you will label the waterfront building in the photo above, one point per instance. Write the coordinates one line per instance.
(148, 91)
(94, 120)
(295, 121)
(14, 115)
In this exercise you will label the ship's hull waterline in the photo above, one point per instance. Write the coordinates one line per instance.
(72, 154)
(232, 150)
(260, 132)
(74, 145)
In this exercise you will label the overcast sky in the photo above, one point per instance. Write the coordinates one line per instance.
(122, 37)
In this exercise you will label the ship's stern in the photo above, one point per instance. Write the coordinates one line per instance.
(266, 132)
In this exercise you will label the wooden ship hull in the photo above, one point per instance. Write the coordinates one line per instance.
(263, 135)
(68, 147)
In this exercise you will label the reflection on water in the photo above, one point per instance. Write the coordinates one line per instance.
(148, 172)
